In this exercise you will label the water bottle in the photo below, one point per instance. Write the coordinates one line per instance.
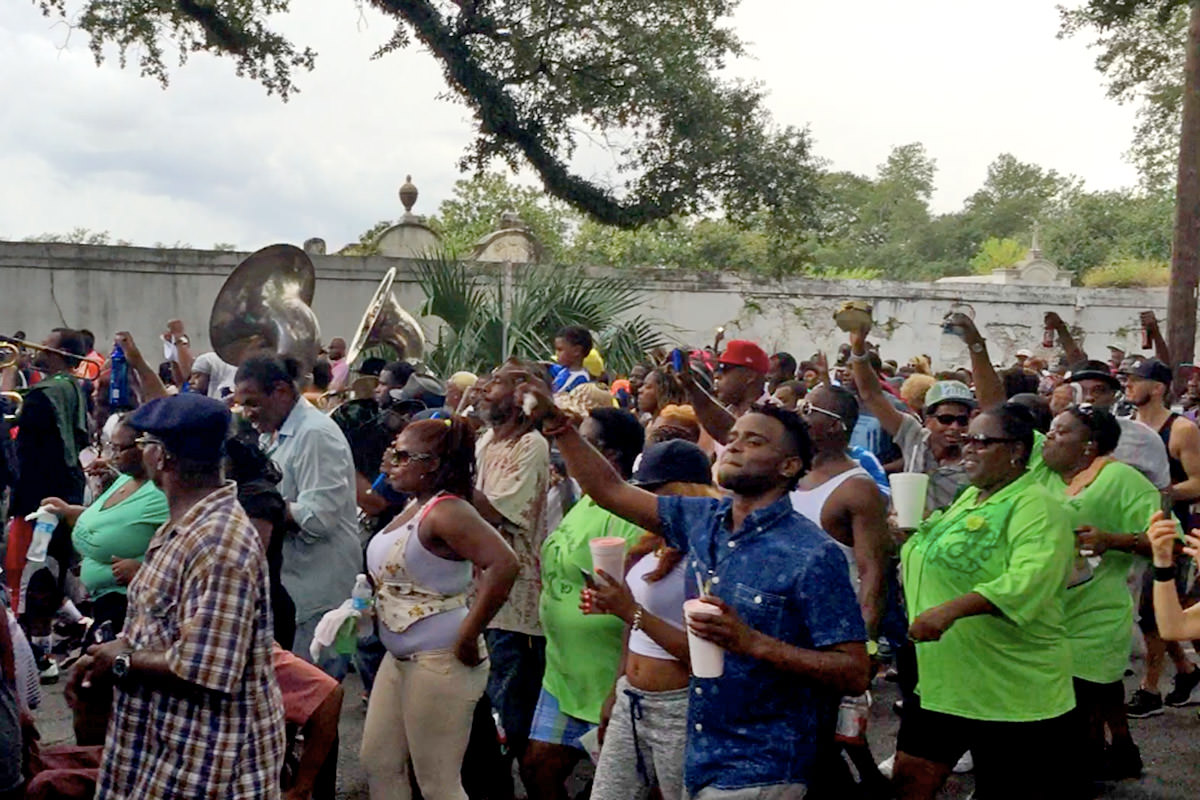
(44, 522)
(119, 396)
(362, 597)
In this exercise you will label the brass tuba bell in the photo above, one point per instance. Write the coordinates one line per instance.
(385, 322)
(266, 304)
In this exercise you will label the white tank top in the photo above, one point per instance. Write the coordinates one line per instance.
(663, 598)
(811, 503)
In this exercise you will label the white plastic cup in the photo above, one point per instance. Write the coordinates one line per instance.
(908, 498)
(708, 658)
(44, 522)
(608, 554)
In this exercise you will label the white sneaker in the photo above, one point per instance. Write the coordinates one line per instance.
(49, 674)
(887, 766)
(965, 764)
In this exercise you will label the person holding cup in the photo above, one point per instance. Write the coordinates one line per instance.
(784, 612)
(583, 652)
(644, 721)
(1110, 503)
(984, 582)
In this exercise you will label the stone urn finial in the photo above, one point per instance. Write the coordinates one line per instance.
(408, 194)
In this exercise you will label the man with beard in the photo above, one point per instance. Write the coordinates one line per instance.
(783, 609)
(1148, 381)
(513, 473)
(321, 552)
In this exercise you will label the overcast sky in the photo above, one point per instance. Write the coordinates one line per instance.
(214, 159)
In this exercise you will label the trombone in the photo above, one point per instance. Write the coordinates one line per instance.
(10, 354)
(17, 398)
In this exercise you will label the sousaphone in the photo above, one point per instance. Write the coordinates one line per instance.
(266, 304)
(385, 322)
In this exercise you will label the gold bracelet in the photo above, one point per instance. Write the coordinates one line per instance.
(637, 618)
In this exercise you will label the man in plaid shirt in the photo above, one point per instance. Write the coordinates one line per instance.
(197, 712)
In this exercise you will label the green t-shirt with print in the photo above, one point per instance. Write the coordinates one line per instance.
(1100, 610)
(583, 651)
(1015, 549)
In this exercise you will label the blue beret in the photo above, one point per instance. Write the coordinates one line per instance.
(190, 425)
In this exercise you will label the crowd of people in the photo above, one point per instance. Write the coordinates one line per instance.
(691, 574)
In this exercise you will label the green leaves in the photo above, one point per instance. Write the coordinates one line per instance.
(469, 302)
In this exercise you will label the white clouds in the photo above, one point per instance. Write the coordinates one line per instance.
(213, 158)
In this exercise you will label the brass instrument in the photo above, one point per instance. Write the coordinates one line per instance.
(266, 304)
(17, 398)
(13, 347)
(386, 322)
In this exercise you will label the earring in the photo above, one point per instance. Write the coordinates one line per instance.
(1014, 462)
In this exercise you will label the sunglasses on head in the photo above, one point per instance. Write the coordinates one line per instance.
(949, 419)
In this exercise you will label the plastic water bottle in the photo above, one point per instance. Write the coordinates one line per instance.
(44, 522)
(362, 597)
(119, 395)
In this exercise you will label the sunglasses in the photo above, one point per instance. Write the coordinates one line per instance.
(401, 457)
(145, 440)
(962, 420)
(807, 409)
(981, 440)
(116, 449)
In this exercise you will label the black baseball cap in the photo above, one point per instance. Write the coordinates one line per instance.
(1150, 369)
(676, 461)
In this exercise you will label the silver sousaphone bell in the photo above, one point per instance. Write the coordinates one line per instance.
(386, 322)
(266, 304)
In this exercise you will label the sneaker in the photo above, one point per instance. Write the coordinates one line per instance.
(965, 764)
(887, 766)
(1121, 762)
(49, 674)
(1144, 704)
(1184, 689)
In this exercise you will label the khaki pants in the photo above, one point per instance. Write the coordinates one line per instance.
(420, 707)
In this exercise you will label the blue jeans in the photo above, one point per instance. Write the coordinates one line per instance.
(515, 681)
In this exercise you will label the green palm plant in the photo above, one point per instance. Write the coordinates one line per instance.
(543, 299)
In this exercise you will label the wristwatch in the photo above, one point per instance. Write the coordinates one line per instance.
(122, 664)
(182, 339)
(977, 347)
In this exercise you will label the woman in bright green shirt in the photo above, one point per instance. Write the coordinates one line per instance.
(112, 534)
(984, 582)
(1110, 504)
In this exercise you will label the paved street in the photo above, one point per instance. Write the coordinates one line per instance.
(1168, 742)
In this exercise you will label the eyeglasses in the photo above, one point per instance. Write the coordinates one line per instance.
(116, 449)
(807, 409)
(982, 440)
(401, 457)
(145, 440)
(962, 420)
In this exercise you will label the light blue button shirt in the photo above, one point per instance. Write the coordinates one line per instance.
(322, 558)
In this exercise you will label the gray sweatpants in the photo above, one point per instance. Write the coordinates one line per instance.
(660, 722)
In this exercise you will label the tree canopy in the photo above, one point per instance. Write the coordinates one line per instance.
(642, 75)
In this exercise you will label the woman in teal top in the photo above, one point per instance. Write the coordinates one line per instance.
(1110, 504)
(112, 534)
(984, 581)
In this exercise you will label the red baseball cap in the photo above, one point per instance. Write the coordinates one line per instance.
(744, 353)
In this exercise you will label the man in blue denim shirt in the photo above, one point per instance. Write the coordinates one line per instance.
(791, 625)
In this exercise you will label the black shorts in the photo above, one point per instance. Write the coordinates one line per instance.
(1026, 760)
(1188, 595)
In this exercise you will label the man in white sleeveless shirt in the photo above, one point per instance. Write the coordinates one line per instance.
(842, 499)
